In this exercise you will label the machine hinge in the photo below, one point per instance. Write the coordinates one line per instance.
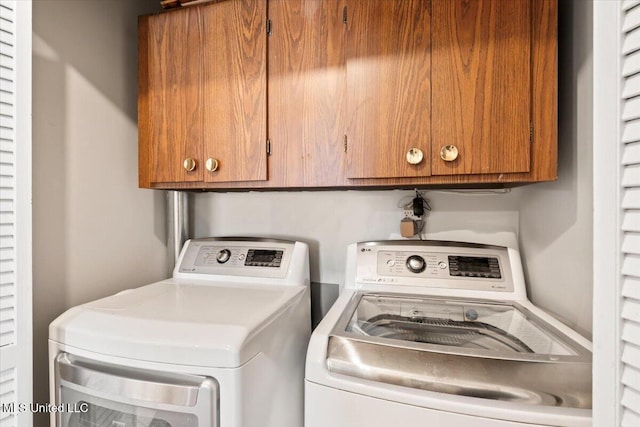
(344, 15)
(268, 26)
(344, 143)
(530, 132)
(268, 147)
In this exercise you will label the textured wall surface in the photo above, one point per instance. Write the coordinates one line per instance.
(94, 231)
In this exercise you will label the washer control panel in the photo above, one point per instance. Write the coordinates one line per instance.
(474, 266)
(435, 264)
(256, 259)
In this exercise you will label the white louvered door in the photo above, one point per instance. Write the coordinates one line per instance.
(15, 213)
(616, 65)
(630, 194)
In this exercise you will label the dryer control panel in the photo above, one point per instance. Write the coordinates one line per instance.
(256, 258)
(435, 264)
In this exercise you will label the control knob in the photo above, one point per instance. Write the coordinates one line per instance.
(223, 256)
(416, 264)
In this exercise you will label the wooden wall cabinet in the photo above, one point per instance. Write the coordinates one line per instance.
(481, 77)
(358, 92)
(306, 80)
(471, 84)
(202, 95)
(388, 87)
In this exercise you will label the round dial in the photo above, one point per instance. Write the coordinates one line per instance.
(223, 256)
(416, 264)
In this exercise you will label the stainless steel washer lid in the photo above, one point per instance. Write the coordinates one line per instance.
(476, 348)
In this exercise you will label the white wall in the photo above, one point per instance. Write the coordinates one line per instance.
(329, 220)
(95, 232)
(554, 220)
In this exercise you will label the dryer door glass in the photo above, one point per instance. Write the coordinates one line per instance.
(89, 411)
(472, 325)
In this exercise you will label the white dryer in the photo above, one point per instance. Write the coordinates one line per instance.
(436, 333)
(222, 343)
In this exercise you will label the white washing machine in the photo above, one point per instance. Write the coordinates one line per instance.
(222, 343)
(437, 333)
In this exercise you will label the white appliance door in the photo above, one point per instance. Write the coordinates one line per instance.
(91, 394)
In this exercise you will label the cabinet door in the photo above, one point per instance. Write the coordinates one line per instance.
(307, 92)
(235, 80)
(170, 95)
(481, 74)
(388, 87)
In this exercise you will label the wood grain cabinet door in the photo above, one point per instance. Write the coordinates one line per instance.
(235, 90)
(388, 106)
(306, 79)
(170, 96)
(481, 76)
